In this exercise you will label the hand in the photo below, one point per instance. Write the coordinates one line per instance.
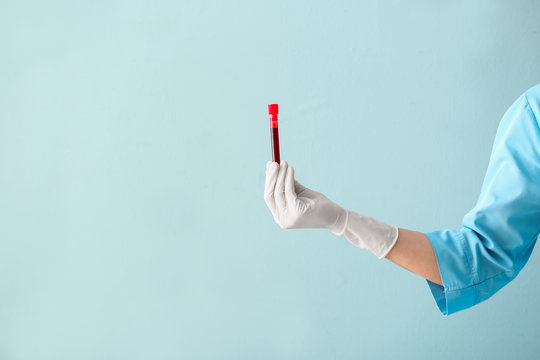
(294, 206)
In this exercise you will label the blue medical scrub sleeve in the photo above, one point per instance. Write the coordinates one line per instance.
(499, 233)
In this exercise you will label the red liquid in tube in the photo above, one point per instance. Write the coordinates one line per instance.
(274, 133)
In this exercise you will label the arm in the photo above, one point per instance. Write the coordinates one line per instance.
(295, 206)
(414, 252)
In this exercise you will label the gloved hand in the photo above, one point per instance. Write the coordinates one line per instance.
(294, 206)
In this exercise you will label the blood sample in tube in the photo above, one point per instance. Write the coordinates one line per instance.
(274, 133)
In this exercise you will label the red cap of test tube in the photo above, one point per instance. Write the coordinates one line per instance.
(273, 111)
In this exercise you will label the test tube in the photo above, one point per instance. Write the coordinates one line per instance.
(274, 134)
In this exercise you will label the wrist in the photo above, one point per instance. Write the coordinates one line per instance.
(340, 223)
(371, 234)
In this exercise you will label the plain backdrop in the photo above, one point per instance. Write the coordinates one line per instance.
(133, 143)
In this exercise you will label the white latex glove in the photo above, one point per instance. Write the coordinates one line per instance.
(294, 206)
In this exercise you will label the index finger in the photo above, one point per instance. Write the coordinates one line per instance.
(270, 185)
(290, 193)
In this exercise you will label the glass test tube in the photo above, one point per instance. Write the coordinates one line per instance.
(274, 133)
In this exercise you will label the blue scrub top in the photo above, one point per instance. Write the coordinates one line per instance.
(499, 233)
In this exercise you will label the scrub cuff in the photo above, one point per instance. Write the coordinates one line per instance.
(451, 301)
(458, 290)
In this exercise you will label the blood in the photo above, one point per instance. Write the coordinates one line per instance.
(275, 144)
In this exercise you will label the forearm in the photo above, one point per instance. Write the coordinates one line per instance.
(414, 252)
(295, 206)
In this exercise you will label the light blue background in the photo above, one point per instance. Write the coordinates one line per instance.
(133, 142)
